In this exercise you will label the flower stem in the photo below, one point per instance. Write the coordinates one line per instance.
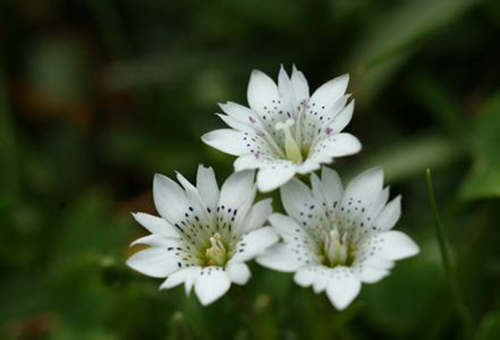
(450, 272)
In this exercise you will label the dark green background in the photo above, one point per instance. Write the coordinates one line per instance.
(97, 96)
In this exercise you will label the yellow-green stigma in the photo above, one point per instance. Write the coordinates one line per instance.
(216, 254)
(337, 250)
(292, 149)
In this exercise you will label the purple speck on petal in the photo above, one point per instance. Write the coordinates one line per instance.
(256, 154)
(329, 130)
(251, 119)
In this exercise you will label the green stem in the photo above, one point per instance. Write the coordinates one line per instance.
(450, 272)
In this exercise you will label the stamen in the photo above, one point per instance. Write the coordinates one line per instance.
(336, 248)
(292, 149)
(216, 254)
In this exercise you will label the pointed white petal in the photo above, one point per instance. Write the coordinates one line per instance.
(332, 186)
(238, 272)
(152, 240)
(274, 175)
(191, 278)
(339, 145)
(237, 191)
(342, 287)
(239, 117)
(300, 86)
(299, 245)
(236, 124)
(169, 198)
(237, 111)
(247, 162)
(261, 91)
(307, 167)
(281, 258)
(176, 278)
(154, 262)
(211, 284)
(365, 187)
(390, 215)
(372, 274)
(206, 183)
(226, 140)
(254, 244)
(327, 94)
(342, 119)
(156, 225)
(394, 245)
(257, 216)
(297, 199)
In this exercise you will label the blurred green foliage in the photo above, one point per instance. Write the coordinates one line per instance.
(98, 95)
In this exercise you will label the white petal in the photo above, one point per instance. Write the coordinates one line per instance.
(306, 276)
(343, 287)
(154, 262)
(300, 86)
(169, 198)
(321, 282)
(307, 167)
(191, 278)
(261, 91)
(395, 245)
(332, 186)
(211, 284)
(296, 197)
(273, 176)
(247, 162)
(372, 274)
(226, 140)
(237, 191)
(366, 186)
(372, 269)
(280, 258)
(339, 145)
(237, 111)
(176, 278)
(151, 240)
(239, 117)
(342, 119)
(390, 215)
(238, 272)
(206, 183)
(257, 216)
(299, 245)
(254, 244)
(236, 124)
(156, 225)
(327, 94)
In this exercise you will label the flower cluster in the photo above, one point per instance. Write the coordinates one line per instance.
(333, 238)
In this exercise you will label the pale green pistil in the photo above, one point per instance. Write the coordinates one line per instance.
(216, 254)
(336, 249)
(292, 149)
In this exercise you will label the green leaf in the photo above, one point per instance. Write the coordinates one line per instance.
(483, 179)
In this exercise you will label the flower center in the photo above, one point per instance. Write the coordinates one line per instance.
(216, 254)
(337, 249)
(292, 149)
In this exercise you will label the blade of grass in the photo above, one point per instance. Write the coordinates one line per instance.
(449, 269)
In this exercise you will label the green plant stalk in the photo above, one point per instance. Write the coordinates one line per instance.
(450, 272)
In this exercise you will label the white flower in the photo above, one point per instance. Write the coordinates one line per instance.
(204, 236)
(334, 239)
(285, 131)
